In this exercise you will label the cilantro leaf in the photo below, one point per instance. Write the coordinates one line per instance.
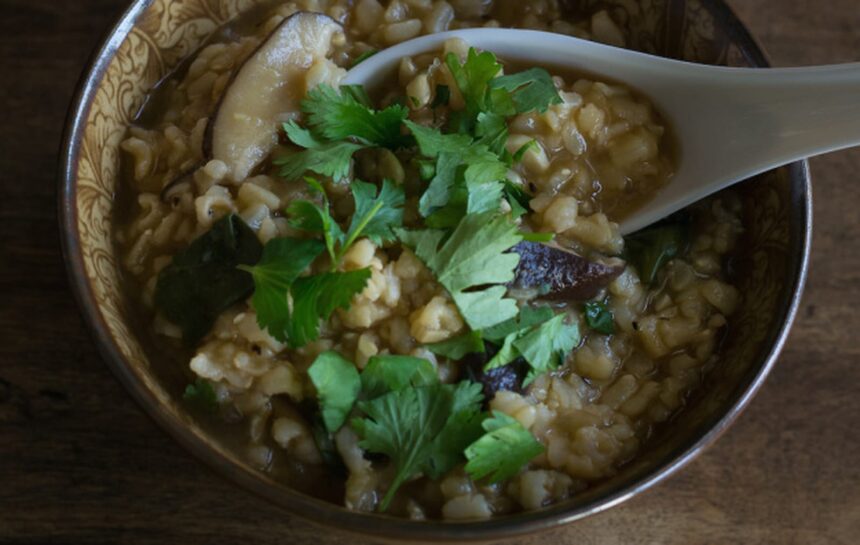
(517, 198)
(201, 393)
(375, 214)
(316, 297)
(332, 159)
(438, 193)
(473, 79)
(284, 259)
(388, 373)
(544, 347)
(484, 196)
(301, 136)
(506, 354)
(403, 425)
(532, 90)
(492, 131)
(459, 160)
(339, 124)
(457, 347)
(599, 317)
(462, 428)
(490, 98)
(337, 383)
(528, 317)
(203, 281)
(502, 451)
(340, 115)
(471, 198)
(431, 142)
(538, 335)
(310, 217)
(474, 256)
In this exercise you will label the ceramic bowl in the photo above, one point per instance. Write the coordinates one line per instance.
(154, 35)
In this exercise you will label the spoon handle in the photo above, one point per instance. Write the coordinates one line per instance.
(735, 123)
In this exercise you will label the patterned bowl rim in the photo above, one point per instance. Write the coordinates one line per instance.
(329, 514)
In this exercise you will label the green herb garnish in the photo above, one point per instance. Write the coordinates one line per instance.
(539, 336)
(375, 217)
(409, 426)
(473, 257)
(339, 124)
(599, 317)
(455, 348)
(387, 373)
(337, 383)
(650, 249)
(284, 259)
(201, 394)
(502, 451)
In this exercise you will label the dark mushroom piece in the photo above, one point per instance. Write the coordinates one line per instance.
(269, 84)
(508, 377)
(561, 274)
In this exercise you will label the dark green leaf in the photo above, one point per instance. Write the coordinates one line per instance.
(201, 394)
(492, 131)
(599, 317)
(357, 93)
(438, 193)
(650, 249)
(312, 218)
(203, 280)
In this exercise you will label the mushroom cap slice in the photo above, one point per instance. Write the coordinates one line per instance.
(270, 83)
(563, 274)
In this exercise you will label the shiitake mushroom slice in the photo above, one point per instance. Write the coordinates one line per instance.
(562, 274)
(266, 89)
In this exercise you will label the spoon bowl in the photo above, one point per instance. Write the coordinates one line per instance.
(731, 123)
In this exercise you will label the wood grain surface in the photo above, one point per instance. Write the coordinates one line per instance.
(81, 463)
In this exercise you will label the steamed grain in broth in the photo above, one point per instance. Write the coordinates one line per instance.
(418, 295)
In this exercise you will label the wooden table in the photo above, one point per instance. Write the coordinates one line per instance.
(81, 463)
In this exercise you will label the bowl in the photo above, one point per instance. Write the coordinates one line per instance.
(154, 35)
